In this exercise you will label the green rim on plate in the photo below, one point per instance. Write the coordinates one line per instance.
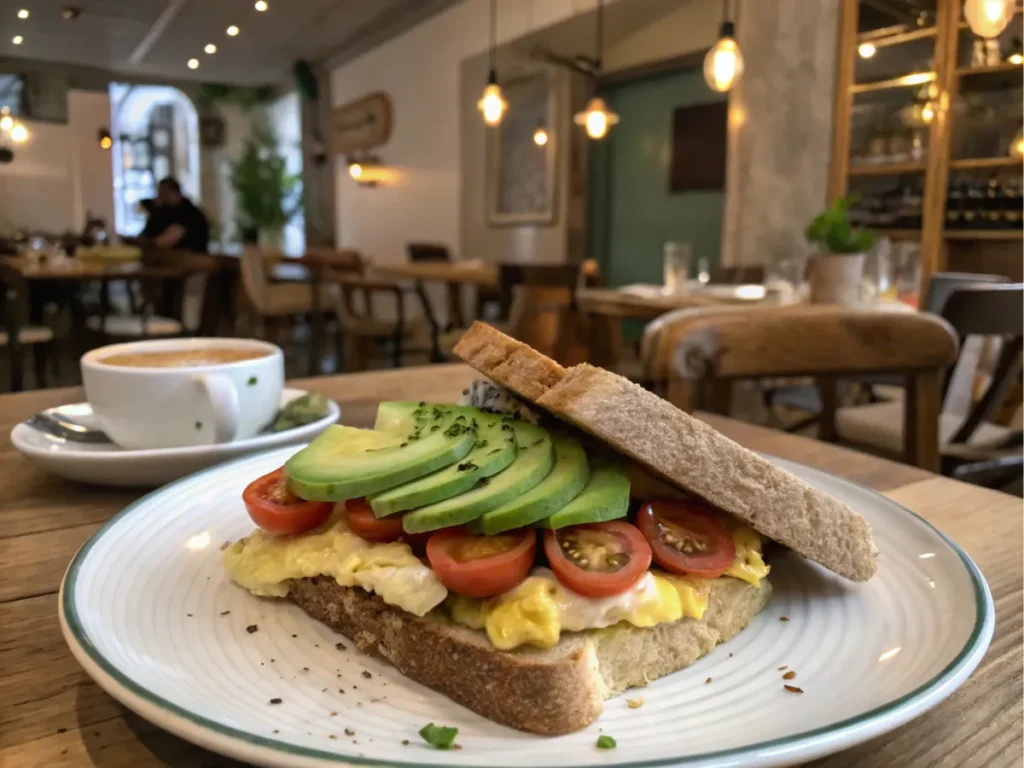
(984, 614)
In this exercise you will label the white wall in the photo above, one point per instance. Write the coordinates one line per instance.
(420, 72)
(60, 172)
(285, 120)
(91, 167)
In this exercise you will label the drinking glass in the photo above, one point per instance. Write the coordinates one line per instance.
(677, 266)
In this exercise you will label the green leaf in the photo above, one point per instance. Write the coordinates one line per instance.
(439, 736)
(605, 742)
(831, 230)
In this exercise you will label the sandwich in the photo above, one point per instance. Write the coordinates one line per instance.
(560, 536)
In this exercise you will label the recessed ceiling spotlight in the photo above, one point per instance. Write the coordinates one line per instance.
(70, 12)
(261, 5)
(17, 39)
(233, 31)
(193, 63)
(23, 13)
(210, 48)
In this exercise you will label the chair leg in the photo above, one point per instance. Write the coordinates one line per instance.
(39, 364)
(397, 350)
(17, 355)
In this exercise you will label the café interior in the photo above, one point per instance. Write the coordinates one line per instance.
(791, 230)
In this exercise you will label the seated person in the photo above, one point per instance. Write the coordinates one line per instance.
(175, 221)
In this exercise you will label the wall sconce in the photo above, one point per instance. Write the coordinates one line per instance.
(367, 171)
(106, 142)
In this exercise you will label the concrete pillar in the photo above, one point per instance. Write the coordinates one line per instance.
(780, 127)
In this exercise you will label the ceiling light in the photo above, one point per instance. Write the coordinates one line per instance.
(723, 64)
(987, 18)
(19, 133)
(233, 31)
(596, 119)
(540, 136)
(23, 13)
(17, 39)
(261, 5)
(1016, 58)
(193, 63)
(866, 50)
(6, 123)
(210, 48)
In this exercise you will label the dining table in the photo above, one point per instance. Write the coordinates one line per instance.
(54, 715)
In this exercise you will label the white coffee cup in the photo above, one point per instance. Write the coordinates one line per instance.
(195, 403)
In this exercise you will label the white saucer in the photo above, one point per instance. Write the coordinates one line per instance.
(108, 464)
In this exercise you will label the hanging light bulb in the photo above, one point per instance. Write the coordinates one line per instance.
(492, 104)
(355, 170)
(6, 121)
(1017, 144)
(723, 64)
(19, 133)
(988, 18)
(596, 119)
(866, 50)
(540, 136)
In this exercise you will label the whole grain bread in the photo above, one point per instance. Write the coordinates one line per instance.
(543, 691)
(683, 451)
(510, 363)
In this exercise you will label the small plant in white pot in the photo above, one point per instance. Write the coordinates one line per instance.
(838, 264)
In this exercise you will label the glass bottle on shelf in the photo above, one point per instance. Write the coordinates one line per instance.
(993, 218)
(1013, 216)
(974, 206)
(955, 206)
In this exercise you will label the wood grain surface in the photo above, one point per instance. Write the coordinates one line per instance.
(52, 714)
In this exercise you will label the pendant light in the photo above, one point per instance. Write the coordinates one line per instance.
(596, 118)
(723, 64)
(492, 104)
(988, 18)
(540, 136)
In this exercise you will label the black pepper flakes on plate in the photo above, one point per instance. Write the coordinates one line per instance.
(405, 742)
(275, 701)
(367, 675)
(253, 628)
(707, 681)
(224, 613)
(349, 732)
(783, 618)
(339, 646)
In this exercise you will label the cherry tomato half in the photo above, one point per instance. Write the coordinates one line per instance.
(687, 536)
(366, 525)
(598, 559)
(277, 510)
(481, 566)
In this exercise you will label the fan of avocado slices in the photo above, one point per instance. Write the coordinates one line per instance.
(446, 465)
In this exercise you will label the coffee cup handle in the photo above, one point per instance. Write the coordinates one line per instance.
(223, 399)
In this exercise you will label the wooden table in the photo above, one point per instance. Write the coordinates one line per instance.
(53, 715)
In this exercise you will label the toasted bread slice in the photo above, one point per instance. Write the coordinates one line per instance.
(516, 366)
(686, 453)
(543, 691)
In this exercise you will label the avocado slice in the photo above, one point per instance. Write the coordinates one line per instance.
(533, 462)
(491, 453)
(605, 497)
(412, 440)
(567, 479)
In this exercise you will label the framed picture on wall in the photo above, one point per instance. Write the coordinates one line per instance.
(521, 171)
(698, 147)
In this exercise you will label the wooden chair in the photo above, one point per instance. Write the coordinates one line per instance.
(706, 351)
(361, 328)
(972, 447)
(16, 333)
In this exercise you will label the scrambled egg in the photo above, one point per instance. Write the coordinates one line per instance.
(540, 609)
(263, 564)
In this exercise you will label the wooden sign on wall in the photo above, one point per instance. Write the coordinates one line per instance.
(361, 124)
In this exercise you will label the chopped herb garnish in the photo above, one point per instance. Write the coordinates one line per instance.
(605, 742)
(484, 480)
(467, 466)
(340, 646)
(199, 425)
(439, 736)
(435, 428)
(507, 427)
(252, 381)
(496, 450)
(422, 403)
(367, 675)
(403, 445)
(349, 732)
(537, 443)
(436, 413)
(480, 444)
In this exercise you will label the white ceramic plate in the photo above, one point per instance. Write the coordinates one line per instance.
(147, 610)
(108, 464)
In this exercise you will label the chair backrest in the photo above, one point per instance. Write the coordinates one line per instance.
(254, 276)
(995, 310)
(741, 275)
(427, 252)
(942, 284)
(346, 260)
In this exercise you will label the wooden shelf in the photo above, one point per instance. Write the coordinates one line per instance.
(904, 81)
(994, 78)
(882, 38)
(981, 163)
(887, 169)
(983, 234)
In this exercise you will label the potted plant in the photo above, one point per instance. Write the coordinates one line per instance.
(838, 264)
(267, 195)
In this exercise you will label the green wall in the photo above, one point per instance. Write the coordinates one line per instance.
(632, 213)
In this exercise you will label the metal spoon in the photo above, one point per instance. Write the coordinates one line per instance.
(53, 424)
